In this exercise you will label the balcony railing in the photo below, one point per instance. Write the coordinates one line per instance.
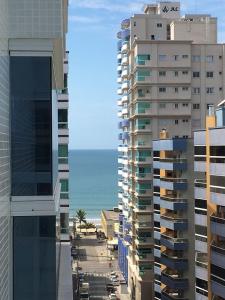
(174, 281)
(168, 294)
(62, 125)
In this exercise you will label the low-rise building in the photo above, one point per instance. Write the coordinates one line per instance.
(109, 219)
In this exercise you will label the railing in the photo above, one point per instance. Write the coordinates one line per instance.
(63, 160)
(174, 180)
(220, 219)
(169, 237)
(173, 160)
(218, 247)
(200, 183)
(173, 199)
(62, 125)
(173, 218)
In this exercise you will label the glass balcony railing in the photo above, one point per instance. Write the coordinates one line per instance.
(200, 183)
(62, 125)
(63, 160)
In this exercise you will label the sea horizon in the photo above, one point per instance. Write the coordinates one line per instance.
(93, 181)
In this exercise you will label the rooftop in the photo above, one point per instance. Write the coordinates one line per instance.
(111, 215)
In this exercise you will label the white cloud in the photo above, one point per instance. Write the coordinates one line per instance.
(84, 20)
(111, 6)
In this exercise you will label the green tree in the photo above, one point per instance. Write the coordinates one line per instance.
(89, 226)
(81, 216)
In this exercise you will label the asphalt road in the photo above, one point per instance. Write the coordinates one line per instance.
(96, 265)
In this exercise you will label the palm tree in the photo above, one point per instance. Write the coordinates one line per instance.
(81, 216)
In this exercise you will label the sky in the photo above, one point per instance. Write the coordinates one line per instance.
(92, 43)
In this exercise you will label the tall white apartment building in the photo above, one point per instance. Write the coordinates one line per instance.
(170, 70)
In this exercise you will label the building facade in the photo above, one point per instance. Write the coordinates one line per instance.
(173, 218)
(63, 152)
(32, 47)
(170, 70)
(209, 207)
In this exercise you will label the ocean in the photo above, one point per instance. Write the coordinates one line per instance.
(93, 181)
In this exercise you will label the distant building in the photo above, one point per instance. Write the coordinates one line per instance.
(109, 221)
(170, 70)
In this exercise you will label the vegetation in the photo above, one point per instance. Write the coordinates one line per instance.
(81, 216)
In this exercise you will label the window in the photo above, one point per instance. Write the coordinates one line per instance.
(185, 136)
(62, 119)
(175, 57)
(209, 105)
(176, 89)
(162, 73)
(162, 57)
(176, 73)
(196, 90)
(63, 150)
(176, 105)
(196, 74)
(185, 89)
(185, 120)
(209, 90)
(196, 58)
(135, 23)
(162, 89)
(220, 73)
(159, 25)
(162, 105)
(64, 185)
(185, 72)
(196, 106)
(152, 37)
(220, 88)
(220, 57)
(185, 56)
(209, 74)
(185, 104)
(176, 122)
(209, 58)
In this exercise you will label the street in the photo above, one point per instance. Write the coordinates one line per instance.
(95, 264)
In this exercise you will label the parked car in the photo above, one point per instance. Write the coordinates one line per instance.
(113, 297)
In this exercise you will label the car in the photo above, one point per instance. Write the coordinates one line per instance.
(114, 278)
(113, 296)
(113, 274)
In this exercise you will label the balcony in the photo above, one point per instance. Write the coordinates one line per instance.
(218, 254)
(119, 68)
(119, 91)
(173, 222)
(173, 243)
(125, 85)
(168, 294)
(218, 224)
(174, 262)
(143, 176)
(172, 184)
(217, 197)
(128, 239)
(143, 208)
(173, 203)
(218, 286)
(200, 219)
(124, 98)
(143, 225)
(141, 256)
(119, 80)
(174, 281)
(125, 73)
(171, 145)
(173, 164)
(143, 144)
(125, 47)
(201, 266)
(143, 128)
(144, 241)
(125, 61)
